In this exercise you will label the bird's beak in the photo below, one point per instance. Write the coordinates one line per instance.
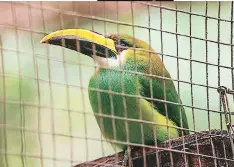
(83, 41)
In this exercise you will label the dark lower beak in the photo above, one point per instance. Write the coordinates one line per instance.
(83, 41)
(83, 46)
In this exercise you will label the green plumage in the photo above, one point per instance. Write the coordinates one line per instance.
(135, 85)
(126, 100)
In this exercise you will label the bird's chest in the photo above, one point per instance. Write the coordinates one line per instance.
(112, 90)
(115, 94)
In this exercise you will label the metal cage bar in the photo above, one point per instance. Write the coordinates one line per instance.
(224, 107)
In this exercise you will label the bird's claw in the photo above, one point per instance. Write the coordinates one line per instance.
(125, 159)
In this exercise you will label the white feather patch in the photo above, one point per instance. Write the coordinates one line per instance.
(110, 62)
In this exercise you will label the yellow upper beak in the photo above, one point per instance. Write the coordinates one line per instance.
(82, 33)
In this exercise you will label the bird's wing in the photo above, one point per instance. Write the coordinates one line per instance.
(158, 88)
(150, 113)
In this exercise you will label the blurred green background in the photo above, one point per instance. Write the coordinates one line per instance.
(45, 116)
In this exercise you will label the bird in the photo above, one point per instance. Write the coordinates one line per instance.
(131, 93)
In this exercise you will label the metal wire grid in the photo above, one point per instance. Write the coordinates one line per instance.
(22, 128)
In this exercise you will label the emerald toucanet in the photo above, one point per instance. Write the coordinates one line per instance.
(126, 86)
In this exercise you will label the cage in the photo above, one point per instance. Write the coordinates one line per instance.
(45, 113)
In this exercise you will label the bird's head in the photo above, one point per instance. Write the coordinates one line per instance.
(109, 50)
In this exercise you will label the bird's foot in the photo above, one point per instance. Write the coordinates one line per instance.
(125, 159)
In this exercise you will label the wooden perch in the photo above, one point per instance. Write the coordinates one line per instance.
(200, 149)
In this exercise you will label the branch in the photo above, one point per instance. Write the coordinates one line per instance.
(202, 149)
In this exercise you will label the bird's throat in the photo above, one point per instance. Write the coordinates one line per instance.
(109, 63)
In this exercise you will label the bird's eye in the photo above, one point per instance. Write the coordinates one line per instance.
(123, 42)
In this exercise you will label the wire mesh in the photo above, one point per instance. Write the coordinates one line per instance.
(46, 117)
